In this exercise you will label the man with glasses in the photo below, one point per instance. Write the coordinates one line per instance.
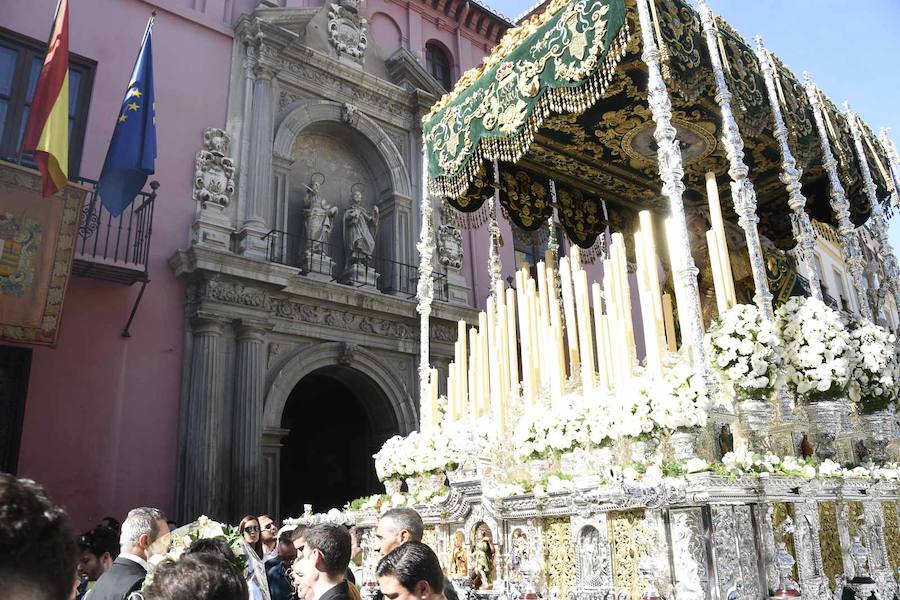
(278, 569)
(269, 537)
(99, 548)
(144, 533)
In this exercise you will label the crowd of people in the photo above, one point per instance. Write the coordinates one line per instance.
(42, 559)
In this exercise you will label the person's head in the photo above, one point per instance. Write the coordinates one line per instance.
(38, 553)
(99, 548)
(217, 546)
(323, 554)
(249, 529)
(410, 572)
(268, 530)
(144, 532)
(198, 576)
(398, 526)
(286, 551)
(111, 523)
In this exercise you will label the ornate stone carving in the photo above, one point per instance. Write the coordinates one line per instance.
(728, 566)
(350, 114)
(594, 565)
(627, 532)
(450, 249)
(347, 29)
(319, 216)
(559, 562)
(346, 354)
(214, 169)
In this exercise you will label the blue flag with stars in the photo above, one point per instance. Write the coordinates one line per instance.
(131, 156)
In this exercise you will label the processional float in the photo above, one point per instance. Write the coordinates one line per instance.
(722, 464)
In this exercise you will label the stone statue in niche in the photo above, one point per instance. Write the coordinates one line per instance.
(319, 216)
(590, 565)
(214, 170)
(360, 229)
(483, 555)
(450, 251)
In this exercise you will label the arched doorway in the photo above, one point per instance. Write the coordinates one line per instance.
(337, 417)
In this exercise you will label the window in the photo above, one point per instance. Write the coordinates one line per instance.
(843, 300)
(21, 59)
(438, 65)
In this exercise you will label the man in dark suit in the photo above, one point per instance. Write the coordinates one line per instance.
(278, 569)
(399, 526)
(144, 533)
(323, 553)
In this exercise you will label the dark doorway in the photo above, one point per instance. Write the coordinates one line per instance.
(326, 459)
(15, 364)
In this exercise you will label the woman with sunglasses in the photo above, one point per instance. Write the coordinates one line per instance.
(255, 572)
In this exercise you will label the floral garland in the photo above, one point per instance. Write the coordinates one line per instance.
(682, 402)
(873, 382)
(743, 351)
(817, 349)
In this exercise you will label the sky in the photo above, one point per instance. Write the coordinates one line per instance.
(851, 50)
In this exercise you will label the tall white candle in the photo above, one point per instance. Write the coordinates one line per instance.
(557, 366)
(525, 338)
(571, 321)
(602, 352)
(585, 335)
(718, 225)
(715, 264)
(462, 368)
(512, 341)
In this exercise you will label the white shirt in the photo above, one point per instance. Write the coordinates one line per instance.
(137, 559)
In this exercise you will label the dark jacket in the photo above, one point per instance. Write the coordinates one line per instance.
(338, 592)
(123, 577)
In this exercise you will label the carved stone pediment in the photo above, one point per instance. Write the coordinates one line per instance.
(214, 169)
(405, 71)
(450, 248)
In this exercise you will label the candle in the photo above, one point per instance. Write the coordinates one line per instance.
(651, 269)
(715, 263)
(473, 374)
(462, 368)
(602, 351)
(565, 276)
(501, 345)
(533, 303)
(718, 226)
(544, 304)
(451, 392)
(669, 319)
(512, 341)
(557, 366)
(484, 407)
(677, 262)
(435, 415)
(654, 365)
(585, 335)
(525, 338)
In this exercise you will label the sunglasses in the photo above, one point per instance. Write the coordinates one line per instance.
(251, 529)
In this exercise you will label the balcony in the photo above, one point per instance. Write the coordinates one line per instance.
(112, 248)
(394, 277)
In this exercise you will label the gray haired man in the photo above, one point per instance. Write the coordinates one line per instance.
(398, 526)
(144, 533)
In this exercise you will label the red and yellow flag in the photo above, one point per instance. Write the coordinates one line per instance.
(47, 132)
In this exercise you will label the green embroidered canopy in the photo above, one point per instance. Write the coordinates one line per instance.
(563, 97)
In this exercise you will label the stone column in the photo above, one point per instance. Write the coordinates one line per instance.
(879, 222)
(790, 177)
(204, 454)
(840, 205)
(671, 171)
(247, 417)
(258, 170)
(742, 193)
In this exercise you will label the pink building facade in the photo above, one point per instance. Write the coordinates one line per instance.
(107, 422)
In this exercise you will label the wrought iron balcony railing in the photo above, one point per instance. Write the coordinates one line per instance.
(332, 261)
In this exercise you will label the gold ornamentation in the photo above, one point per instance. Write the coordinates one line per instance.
(525, 198)
(559, 559)
(892, 534)
(429, 537)
(628, 533)
(854, 513)
(830, 542)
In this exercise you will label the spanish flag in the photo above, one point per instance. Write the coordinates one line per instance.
(47, 132)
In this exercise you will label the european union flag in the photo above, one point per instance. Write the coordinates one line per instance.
(131, 156)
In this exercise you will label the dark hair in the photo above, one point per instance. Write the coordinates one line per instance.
(257, 547)
(38, 553)
(112, 523)
(216, 546)
(99, 540)
(411, 563)
(408, 519)
(286, 537)
(199, 576)
(333, 542)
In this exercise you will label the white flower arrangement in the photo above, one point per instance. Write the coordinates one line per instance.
(442, 449)
(680, 402)
(817, 349)
(873, 382)
(743, 351)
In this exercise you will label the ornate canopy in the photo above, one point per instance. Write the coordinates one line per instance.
(564, 97)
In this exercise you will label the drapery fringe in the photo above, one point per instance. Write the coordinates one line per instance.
(554, 101)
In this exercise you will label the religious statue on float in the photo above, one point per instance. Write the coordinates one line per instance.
(459, 564)
(483, 558)
(319, 216)
(360, 233)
